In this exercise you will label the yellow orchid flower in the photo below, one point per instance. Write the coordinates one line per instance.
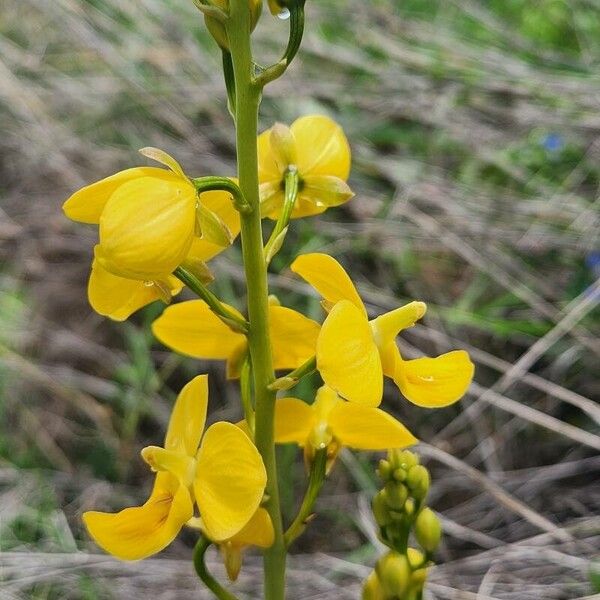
(223, 474)
(331, 422)
(314, 146)
(353, 353)
(115, 296)
(191, 328)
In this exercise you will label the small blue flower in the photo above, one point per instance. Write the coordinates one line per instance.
(553, 142)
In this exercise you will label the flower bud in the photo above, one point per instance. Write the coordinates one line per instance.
(394, 573)
(409, 507)
(395, 495)
(418, 481)
(380, 509)
(372, 588)
(384, 470)
(217, 29)
(399, 474)
(428, 530)
(403, 459)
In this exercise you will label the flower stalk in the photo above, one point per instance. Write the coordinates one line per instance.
(246, 111)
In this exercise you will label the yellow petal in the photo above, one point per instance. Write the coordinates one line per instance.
(230, 480)
(347, 356)
(294, 420)
(222, 205)
(283, 146)
(293, 337)
(191, 328)
(325, 190)
(118, 298)
(86, 205)
(267, 166)
(328, 277)
(321, 147)
(147, 226)
(365, 428)
(258, 532)
(141, 531)
(387, 326)
(435, 382)
(188, 417)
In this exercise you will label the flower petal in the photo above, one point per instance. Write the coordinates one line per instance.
(387, 326)
(191, 328)
(141, 531)
(434, 382)
(221, 204)
(267, 166)
(326, 190)
(258, 532)
(230, 480)
(365, 428)
(328, 277)
(86, 205)
(293, 337)
(294, 420)
(117, 297)
(188, 417)
(147, 226)
(321, 147)
(347, 356)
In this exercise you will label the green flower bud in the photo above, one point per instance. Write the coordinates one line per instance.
(394, 574)
(428, 530)
(402, 459)
(384, 470)
(399, 474)
(409, 507)
(418, 481)
(372, 588)
(380, 509)
(395, 495)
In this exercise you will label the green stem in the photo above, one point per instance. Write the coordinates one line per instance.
(228, 317)
(315, 483)
(293, 377)
(210, 183)
(278, 233)
(209, 581)
(247, 101)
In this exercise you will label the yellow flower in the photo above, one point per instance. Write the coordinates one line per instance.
(191, 328)
(353, 353)
(224, 476)
(116, 296)
(316, 147)
(331, 422)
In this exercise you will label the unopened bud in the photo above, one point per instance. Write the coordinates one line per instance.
(399, 474)
(372, 589)
(418, 481)
(428, 530)
(394, 573)
(384, 470)
(380, 509)
(395, 495)
(217, 28)
(409, 507)
(402, 459)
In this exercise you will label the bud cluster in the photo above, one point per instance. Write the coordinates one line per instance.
(399, 509)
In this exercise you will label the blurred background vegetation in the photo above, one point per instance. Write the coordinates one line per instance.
(475, 133)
